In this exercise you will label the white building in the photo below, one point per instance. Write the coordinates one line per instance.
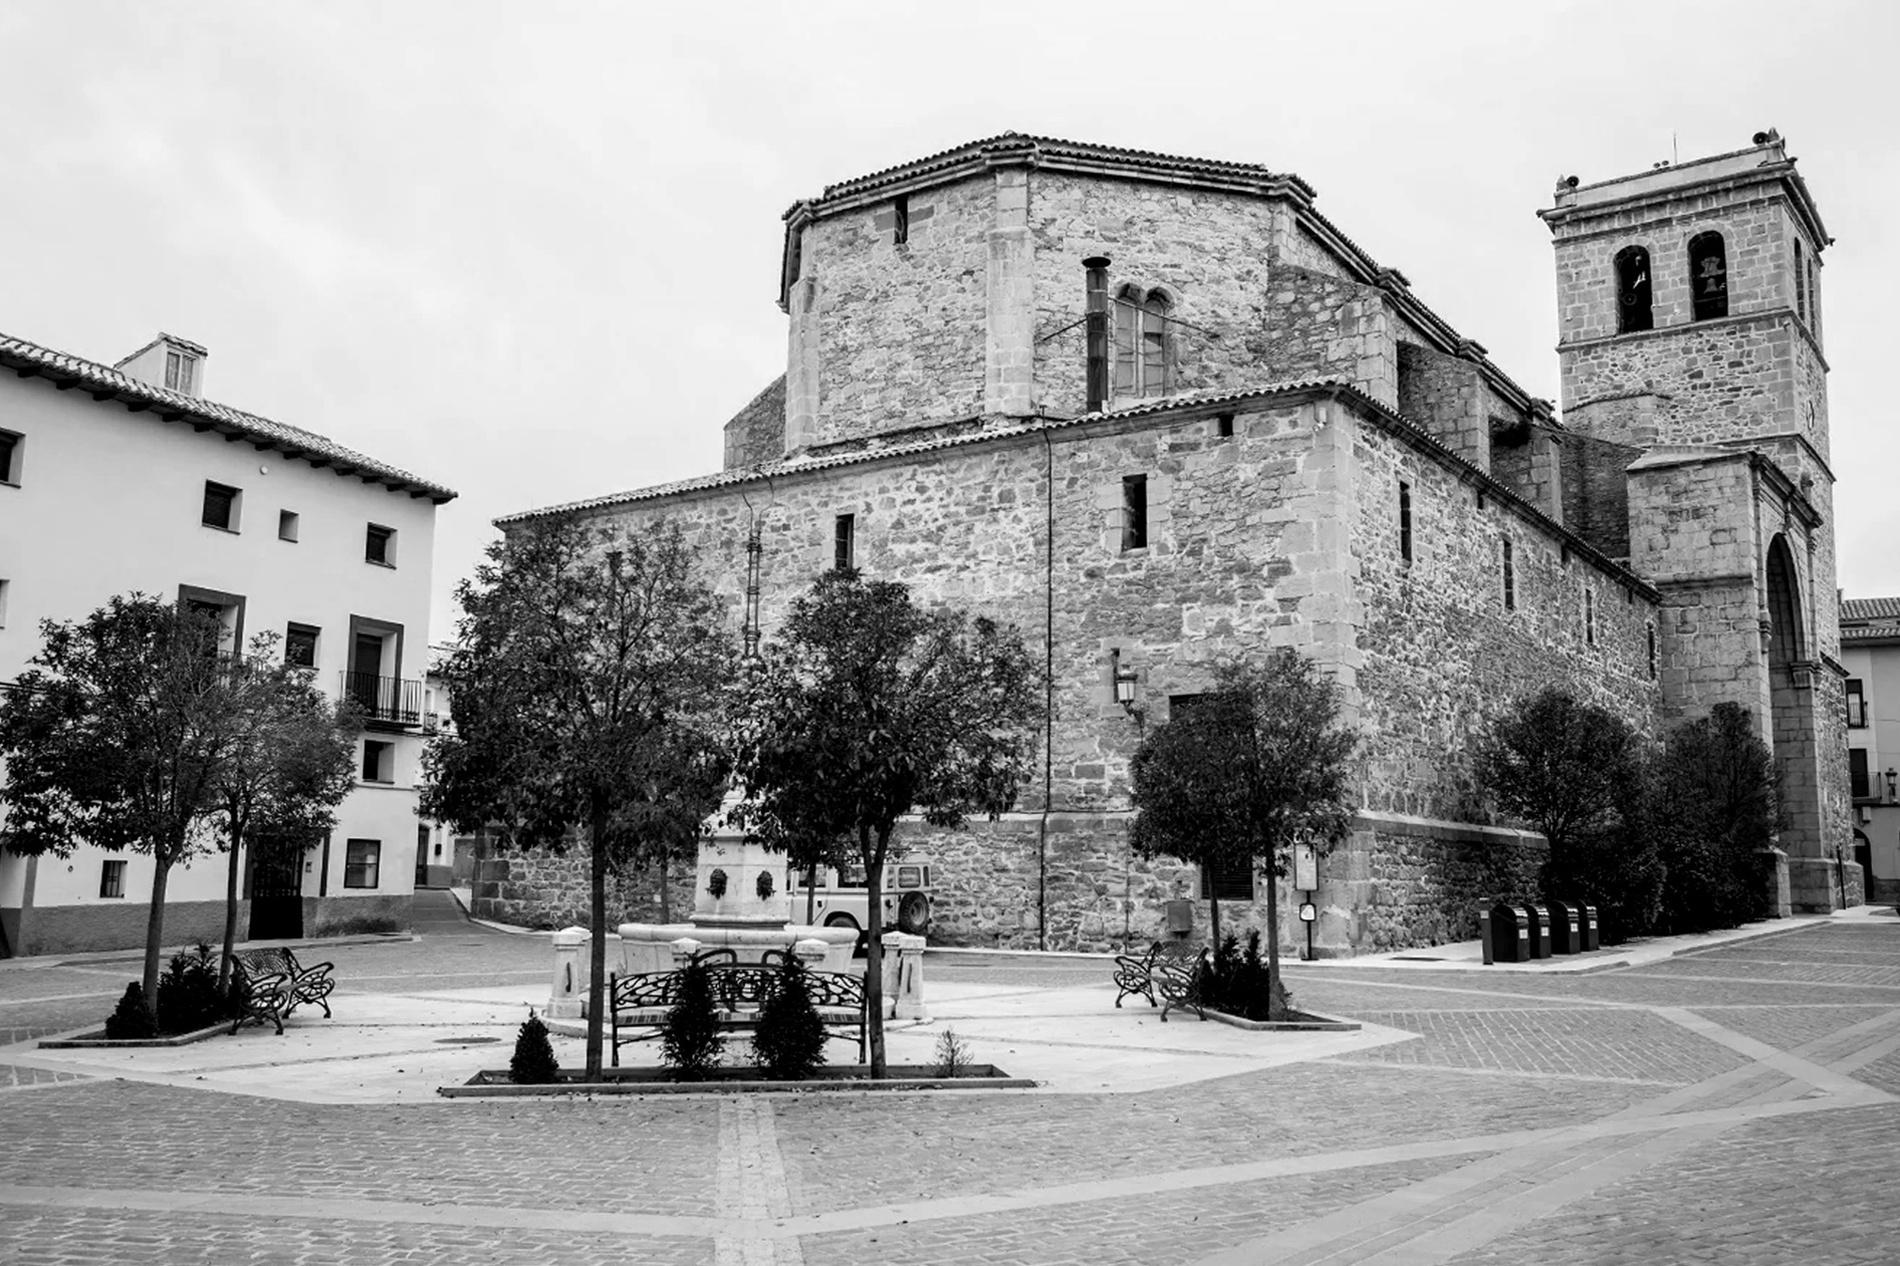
(123, 478)
(1870, 652)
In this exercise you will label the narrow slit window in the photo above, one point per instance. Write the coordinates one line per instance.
(1633, 291)
(1405, 521)
(1134, 512)
(1857, 772)
(844, 543)
(1650, 636)
(1510, 579)
(1589, 618)
(900, 219)
(10, 446)
(1708, 272)
(1224, 426)
(1800, 283)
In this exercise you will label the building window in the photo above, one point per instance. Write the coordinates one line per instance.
(1800, 282)
(1141, 343)
(1510, 580)
(1134, 512)
(379, 546)
(1857, 771)
(900, 219)
(4, 586)
(1632, 291)
(1708, 274)
(844, 543)
(11, 442)
(1650, 636)
(112, 878)
(361, 860)
(181, 372)
(1228, 881)
(221, 506)
(300, 645)
(1224, 426)
(379, 761)
(1405, 521)
(287, 524)
(225, 608)
(1814, 297)
(1589, 618)
(1856, 705)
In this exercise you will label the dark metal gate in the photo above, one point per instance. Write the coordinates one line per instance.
(277, 896)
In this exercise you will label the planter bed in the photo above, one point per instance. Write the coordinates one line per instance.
(1305, 1022)
(494, 1083)
(98, 1038)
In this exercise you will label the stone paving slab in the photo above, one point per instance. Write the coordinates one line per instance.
(1625, 1044)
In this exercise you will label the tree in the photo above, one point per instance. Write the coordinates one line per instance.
(1718, 812)
(1575, 772)
(117, 737)
(1257, 762)
(292, 762)
(587, 683)
(869, 708)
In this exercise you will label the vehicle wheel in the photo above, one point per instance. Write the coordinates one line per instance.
(913, 914)
(846, 921)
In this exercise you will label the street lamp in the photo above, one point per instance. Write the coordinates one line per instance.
(1124, 679)
(1892, 776)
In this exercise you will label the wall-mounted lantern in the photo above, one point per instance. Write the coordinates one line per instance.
(1124, 679)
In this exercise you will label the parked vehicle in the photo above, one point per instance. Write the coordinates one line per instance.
(838, 898)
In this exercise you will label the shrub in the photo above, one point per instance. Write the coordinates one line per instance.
(362, 925)
(533, 1063)
(690, 1041)
(790, 1039)
(188, 993)
(130, 1020)
(953, 1054)
(1718, 812)
(1238, 982)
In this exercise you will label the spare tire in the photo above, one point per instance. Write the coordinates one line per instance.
(913, 914)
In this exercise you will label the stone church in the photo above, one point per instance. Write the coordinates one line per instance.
(1158, 411)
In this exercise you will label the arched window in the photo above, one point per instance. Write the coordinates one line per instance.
(1632, 291)
(1708, 274)
(1141, 342)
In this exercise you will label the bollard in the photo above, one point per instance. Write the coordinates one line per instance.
(683, 951)
(904, 976)
(1484, 936)
(567, 994)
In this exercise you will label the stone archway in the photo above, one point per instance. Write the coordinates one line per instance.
(1792, 704)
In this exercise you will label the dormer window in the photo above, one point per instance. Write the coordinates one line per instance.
(1141, 343)
(181, 372)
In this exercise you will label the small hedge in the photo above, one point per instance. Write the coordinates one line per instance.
(533, 1063)
(690, 1041)
(790, 1040)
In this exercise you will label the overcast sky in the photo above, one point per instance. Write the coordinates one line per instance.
(531, 250)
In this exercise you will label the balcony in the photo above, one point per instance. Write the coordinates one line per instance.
(388, 703)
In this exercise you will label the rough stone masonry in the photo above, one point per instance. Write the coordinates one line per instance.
(1324, 464)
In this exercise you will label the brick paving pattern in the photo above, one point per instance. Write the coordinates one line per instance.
(1632, 1115)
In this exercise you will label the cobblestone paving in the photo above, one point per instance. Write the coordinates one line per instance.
(1734, 1106)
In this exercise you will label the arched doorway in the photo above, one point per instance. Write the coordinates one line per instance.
(1791, 698)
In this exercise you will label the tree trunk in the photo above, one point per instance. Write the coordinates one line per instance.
(1213, 917)
(155, 931)
(230, 905)
(811, 894)
(666, 889)
(1273, 927)
(597, 932)
(874, 944)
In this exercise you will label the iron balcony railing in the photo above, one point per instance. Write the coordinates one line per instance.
(386, 701)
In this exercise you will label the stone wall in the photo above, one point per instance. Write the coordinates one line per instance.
(1315, 325)
(1447, 396)
(1596, 492)
(757, 432)
(538, 889)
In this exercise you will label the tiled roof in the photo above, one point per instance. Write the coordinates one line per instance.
(1870, 608)
(1870, 632)
(103, 382)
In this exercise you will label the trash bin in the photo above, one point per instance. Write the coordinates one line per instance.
(1178, 915)
(1587, 927)
(1564, 935)
(1540, 931)
(1510, 933)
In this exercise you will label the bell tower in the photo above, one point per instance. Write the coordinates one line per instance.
(1694, 390)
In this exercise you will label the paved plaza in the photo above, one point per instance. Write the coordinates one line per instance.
(1734, 1103)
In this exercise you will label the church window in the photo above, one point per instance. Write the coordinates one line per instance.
(844, 543)
(1589, 617)
(1814, 298)
(1134, 512)
(900, 219)
(1141, 343)
(1224, 426)
(1708, 274)
(1510, 580)
(1800, 283)
(1633, 291)
(1405, 521)
(1650, 632)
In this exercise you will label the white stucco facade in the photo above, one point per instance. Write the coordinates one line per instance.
(106, 494)
(1870, 652)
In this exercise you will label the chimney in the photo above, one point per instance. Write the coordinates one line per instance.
(176, 364)
(1097, 320)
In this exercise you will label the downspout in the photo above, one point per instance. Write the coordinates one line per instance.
(1049, 691)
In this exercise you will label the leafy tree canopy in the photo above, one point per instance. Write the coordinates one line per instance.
(1566, 767)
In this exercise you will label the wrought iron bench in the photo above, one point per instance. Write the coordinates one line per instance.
(271, 984)
(639, 1002)
(1141, 974)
